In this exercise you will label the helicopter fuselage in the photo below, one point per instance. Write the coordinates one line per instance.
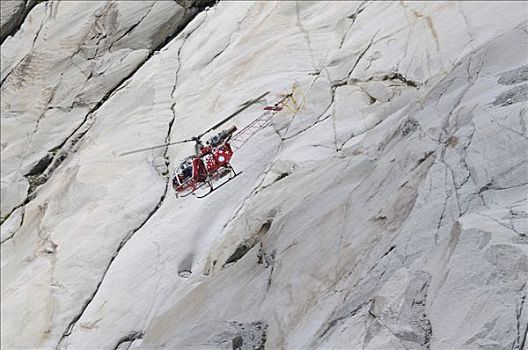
(211, 163)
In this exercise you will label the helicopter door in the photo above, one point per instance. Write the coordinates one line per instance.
(199, 171)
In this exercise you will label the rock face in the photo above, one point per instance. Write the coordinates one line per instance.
(12, 15)
(389, 211)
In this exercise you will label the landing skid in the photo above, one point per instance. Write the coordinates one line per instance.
(183, 195)
(191, 192)
(212, 189)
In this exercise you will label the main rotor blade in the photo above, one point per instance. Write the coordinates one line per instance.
(154, 147)
(245, 105)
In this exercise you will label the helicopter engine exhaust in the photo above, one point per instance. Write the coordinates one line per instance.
(231, 130)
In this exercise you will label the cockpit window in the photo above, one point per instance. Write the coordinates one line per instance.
(185, 171)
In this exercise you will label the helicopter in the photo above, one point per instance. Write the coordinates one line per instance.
(200, 173)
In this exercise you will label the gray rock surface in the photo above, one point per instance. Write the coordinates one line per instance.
(12, 14)
(387, 210)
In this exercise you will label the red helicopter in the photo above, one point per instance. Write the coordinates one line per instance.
(211, 162)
